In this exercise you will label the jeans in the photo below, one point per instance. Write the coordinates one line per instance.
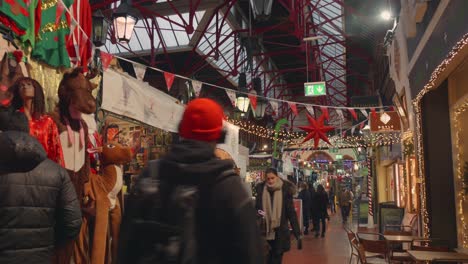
(273, 256)
(345, 212)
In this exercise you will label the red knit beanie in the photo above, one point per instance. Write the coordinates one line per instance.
(202, 120)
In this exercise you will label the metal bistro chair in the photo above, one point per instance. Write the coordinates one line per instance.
(375, 244)
(353, 243)
(362, 256)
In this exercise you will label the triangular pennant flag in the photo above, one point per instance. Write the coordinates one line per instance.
(293, 108)
(362, 125)
(232, 96)
(253, 100)
(169, 79)
(58, 12)
(344, 133)
(325, 112)
(352, 130)
(364, 112)
(391, 108)
(310, 109)
(353, 113)
(373, 111)
(197, 85)
(106, 59)
(340, 113)
(140, 71)
(274, 106)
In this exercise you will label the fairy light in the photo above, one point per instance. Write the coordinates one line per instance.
(417, 102)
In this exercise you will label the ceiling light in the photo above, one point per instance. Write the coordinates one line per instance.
(386, 15)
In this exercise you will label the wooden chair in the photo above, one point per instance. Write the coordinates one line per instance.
(353, 243)
(431, 244)
(374, 243)
(362, 256)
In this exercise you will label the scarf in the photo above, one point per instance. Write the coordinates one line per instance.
(272, 213)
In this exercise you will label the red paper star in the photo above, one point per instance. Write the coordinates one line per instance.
(317, 130)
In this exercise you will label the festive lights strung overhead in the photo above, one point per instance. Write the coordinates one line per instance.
(436, 74)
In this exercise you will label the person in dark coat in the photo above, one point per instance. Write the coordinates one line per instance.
(331, 196)
(320, 210)
(304, 195)
(39, 210)
(275, 200)
(225, 219)
(312, 208)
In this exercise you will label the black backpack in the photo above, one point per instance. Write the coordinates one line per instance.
(159, 222)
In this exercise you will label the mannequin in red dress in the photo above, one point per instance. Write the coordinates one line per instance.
(28, 97)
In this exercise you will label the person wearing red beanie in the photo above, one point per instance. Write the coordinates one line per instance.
(202, 121)
(224, 217)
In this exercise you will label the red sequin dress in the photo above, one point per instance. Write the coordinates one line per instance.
(45, 131)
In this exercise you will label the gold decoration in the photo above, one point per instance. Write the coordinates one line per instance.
(417, 102)
(46, 4)
(52, 27)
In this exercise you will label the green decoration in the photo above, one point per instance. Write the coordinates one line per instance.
(280, 123)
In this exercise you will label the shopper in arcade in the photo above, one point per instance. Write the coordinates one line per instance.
(275, 201)
(222, 227)
(39, 210)
(320, 213)
(304, 195)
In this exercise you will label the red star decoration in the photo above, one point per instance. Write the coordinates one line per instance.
(317, 130)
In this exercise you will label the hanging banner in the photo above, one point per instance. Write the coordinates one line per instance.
(231, 142)
(310, 109)
(293, 108)
(232, 96)
(129, 97)
(253, 101)
(340, 114)
(364, 112)
(169, 77)
(106, 59)
(353, 113)
(325, 112)
(274, 106)
(385, 122)
(140, 71)
(197, 85)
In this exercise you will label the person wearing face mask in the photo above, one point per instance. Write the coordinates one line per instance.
(28, 98)
(275, 200)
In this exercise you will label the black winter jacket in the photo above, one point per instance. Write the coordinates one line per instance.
(288, 215)
(38, 204)
(320, 202)
(226, 230)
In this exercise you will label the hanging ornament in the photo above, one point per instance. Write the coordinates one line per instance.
(317, 130)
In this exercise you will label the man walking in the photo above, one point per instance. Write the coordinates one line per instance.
(39, 210)
(224, 219)
(345, 199)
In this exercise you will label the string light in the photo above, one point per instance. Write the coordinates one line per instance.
(417, 102)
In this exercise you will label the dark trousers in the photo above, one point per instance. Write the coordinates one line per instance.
(332, 206)
(317, 221)
(345, 212)
(273, 256)
(306, 222)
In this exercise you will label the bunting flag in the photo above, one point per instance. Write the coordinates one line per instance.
(364, 112)
(344, 133)
(274, 106)
(169, 79)
(59, 12)
(197, 86)
(362, 125)
(352, 130)
(106, 59)
(373, 111)
(140, 71)
(391, 109)
(353, 113)
(253, 100)
(293, 108)
(310, 109)
(340, 114)
(325, 112)
(232, 96)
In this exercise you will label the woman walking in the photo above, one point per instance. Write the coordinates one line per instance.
(275, 200)
(320, 202)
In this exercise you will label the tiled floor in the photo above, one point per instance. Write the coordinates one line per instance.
(333, 249)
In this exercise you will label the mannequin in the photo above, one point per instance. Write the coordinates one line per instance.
(28, 97)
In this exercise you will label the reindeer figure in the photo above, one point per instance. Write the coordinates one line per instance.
(106, 189)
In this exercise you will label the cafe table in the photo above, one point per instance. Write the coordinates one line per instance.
(429, 256)
(400, 238)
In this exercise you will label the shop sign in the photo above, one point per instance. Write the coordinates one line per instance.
(385, 122)
(338, 157)
(315, 89)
